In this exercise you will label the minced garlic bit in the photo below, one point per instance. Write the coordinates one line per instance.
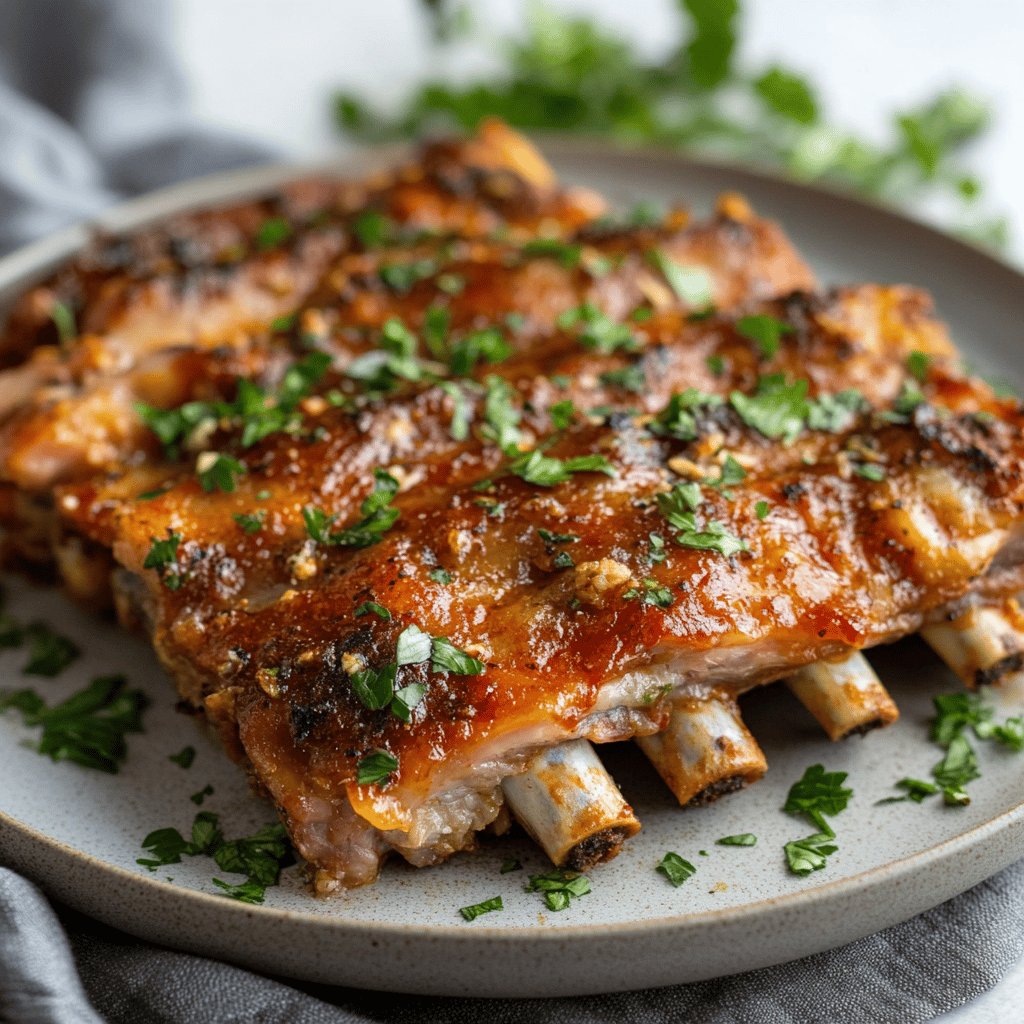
(303, 564)
(352, 663)
(594, 579)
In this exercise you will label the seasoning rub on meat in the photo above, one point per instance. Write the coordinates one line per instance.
(426, 485)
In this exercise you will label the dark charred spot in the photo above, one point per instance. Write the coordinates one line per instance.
(304, 718)
(794, 491)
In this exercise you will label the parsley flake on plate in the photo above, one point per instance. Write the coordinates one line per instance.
(559, 887)
(486, 907)
(675, 868)
(88, 728)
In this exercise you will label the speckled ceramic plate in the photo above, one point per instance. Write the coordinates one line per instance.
(77, 832)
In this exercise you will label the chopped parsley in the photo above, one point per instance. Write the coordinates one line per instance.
(163, 556)
(629, 378)
(678, 419)
(817, 794)
(679, 507)
(545, 471)
(811, 853)
(559, 887)
(742, 839)
(374, 229)
(218, 472)
(566, 253)
(870, 471)
(835, 413)
(49, 653)
(459, 427)
(473, 912)
(765, 331)
(598, 332)
(916, 790)
(487, 345)
(501, 418)
(184, 757)
(403, 277)
(394, 360)
(955, 713)
(715, 365)
(88, 728)
(761, 509)
(562, 414)
(650, 592)
(375, 767)
(377, 511)
(198, 798)
(258, 413)
(413, 646)
(776, 409)
(692, 285)
(260, 857)
(731, 473)
(445, 657)
(918, 364)
(64, 321)
(556, 538)
(272, 232)
(675, 868)
(510, 864)
(371, 607)
(377, 688)
(250, 522)
(656, 552)
(442, 576)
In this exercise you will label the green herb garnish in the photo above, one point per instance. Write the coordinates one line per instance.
(375, 767)
(692, 285)
(765, 331)
(473, 912)
(742, 839)
(184, 757)
(559, 887)
(88, 728)
(675, 869)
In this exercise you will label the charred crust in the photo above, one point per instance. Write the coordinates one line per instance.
(994, 674)
(596, 849)
(723, 787)
(863, 729)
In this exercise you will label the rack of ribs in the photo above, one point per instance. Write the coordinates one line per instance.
(499, 478)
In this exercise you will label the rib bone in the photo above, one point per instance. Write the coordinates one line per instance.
(705, 751)
(571, 806)
(845, 696)
(982, 646)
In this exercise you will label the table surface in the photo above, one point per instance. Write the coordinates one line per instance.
(863, 72)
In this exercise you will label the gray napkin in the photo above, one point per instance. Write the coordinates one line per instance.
(93, 108)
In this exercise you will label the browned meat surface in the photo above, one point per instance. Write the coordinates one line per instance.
(517, 481)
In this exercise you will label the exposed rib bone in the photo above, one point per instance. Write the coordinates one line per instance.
(571, 806)
(982, 646)
(705, 751)
(845, 696)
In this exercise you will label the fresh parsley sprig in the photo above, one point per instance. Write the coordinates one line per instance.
(569, 73)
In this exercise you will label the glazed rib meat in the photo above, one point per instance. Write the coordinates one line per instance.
(496, 478)
(265, 631)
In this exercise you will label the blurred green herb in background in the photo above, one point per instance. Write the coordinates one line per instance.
(568, 74)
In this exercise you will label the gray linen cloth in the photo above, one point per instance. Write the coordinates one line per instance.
(93, 108)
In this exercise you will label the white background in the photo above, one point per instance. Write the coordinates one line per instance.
(269, 66)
